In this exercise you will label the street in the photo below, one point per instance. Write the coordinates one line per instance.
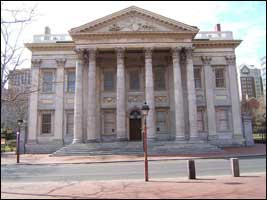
(126, 170)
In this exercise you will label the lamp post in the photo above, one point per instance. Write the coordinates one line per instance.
(20, 121)
(145, 109)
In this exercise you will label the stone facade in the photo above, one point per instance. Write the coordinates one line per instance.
(123, 60)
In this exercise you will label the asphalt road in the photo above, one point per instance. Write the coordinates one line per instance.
(126, 170)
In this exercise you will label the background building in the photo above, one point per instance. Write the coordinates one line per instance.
(20, 79)
(263, 76)
(15, 99)
(251, 83)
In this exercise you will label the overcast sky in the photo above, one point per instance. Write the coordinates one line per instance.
(247, 20)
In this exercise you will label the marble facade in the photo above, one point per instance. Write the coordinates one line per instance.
(134, 39)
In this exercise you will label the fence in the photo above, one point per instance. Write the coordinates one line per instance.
(259, 133)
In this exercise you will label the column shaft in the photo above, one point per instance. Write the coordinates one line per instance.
(178, 95)
(120, 103)
(150, 94)
(192, 106)
(91, 125)
(78, 102)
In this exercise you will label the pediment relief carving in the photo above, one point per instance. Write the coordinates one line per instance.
(133, 19)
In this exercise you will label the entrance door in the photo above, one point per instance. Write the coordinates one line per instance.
(135, 129)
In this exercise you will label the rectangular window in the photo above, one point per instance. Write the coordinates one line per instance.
(70, 123)
(23, 78)
(46, 123)
(161, 121)
(47, 82)
(219, 78)
(200, 120)
(222, 119)
(108, 81)
(159, 78)
(197, 76)
(134, 80)
(71, 82)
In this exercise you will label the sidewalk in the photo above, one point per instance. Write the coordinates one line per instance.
(252, 186)
(10, 158)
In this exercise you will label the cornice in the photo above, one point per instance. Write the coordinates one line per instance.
(50, 46)
(216, 43)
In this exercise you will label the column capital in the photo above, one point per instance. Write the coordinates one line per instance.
(176, 49)
(120, 52)
(206, 60)
(61, 62)
(80, 53)
(230, 60)
(36, 62)
(148, 52)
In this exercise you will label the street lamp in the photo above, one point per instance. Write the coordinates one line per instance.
(145, 109)
(20, 121)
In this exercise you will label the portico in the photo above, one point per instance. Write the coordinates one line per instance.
(121, 105)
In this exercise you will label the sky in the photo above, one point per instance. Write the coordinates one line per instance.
(247, 20)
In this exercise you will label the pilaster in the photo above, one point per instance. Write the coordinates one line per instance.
(236, 112)
(209, 91)
(33, 106)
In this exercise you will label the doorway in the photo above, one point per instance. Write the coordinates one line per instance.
(135, 126)
(135, 129)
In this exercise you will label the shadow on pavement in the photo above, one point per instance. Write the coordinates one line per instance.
(44, 195)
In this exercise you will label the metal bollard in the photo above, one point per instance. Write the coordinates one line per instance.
(191, 169)
(235, 167)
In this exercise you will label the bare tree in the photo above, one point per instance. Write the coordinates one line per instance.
(14, 103)
(13, 23)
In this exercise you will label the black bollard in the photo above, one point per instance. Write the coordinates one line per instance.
(235, 167)
(191, 169)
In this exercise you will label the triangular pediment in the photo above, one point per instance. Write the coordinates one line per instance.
(133, 19)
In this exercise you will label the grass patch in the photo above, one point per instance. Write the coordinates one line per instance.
(10, 146)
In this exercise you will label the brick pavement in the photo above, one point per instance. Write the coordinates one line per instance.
(252, 186)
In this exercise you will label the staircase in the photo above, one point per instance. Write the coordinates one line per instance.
(136, 148)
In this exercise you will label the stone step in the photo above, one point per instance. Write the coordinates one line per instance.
(124, 148)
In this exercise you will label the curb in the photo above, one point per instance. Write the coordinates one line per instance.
(125, 161)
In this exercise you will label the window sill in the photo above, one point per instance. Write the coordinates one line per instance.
(47, 92)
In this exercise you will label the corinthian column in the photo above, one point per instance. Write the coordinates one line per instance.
(150, 94)
(192, 106)
(91, 125)
(178, 95)
(121, 112)
(236, 112)
(59, 111)
(209, 96)
(33, 106)
(78, 102)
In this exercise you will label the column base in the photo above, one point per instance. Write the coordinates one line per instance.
(31, 142)
(212, 137)
(180, 138)
(194, 138)
(97, 140)
(122, 139)
(77, 141)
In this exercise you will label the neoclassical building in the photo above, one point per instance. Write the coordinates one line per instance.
(91, 84)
